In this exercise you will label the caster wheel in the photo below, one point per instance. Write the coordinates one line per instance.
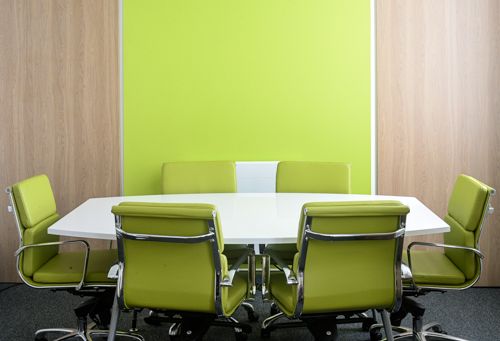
(367, 324)
(253, 317)
(240, 336)
(265, 334)
(274, 309)
(375, 335)
(438, 329)
(152, 320)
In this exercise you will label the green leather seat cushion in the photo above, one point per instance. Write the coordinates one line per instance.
(283, 294)
(67, 267)
(433, 268)
(234, 295)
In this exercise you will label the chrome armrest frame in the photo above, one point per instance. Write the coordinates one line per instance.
(360, 236)
(164, 238)
(77, 241)
(227, 281)
(291, 277)
(476, 252)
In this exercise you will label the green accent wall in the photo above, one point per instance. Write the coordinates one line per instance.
(245, 80)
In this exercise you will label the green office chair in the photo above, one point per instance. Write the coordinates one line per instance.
(198, 177)
(349, 260)
(40, 264)
(171, 260)
(454, 265)
(313, 177)
(192, 177)
(310, 177)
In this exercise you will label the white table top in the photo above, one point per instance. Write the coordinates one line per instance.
(246, 218)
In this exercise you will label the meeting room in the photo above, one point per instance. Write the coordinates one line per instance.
(249, 170)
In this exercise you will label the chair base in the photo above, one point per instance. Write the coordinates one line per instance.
(155, 319)
(322, 327)
(192, 326)
(419, 332)
(85, 335)
(97, 308)
(426, 336)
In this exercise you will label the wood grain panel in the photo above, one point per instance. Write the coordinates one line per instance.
(438, 81)
(59, 103)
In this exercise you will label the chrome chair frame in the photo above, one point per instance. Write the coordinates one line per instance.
(434, 330)
(84, 331)
(298, 279)
(220, 281)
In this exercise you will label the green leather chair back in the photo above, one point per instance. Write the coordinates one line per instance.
(349, 275)
(467, 209)
(313, 177)
(199, 177)
(36, 208)
(169, 275)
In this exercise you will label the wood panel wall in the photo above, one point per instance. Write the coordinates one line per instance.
(438, 104)
(59, 104)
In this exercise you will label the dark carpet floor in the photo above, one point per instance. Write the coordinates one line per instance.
(472, 314)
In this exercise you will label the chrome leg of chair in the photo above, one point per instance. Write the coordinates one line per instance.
(40, 332)
(174, 329)
(270, 320)
(423, 336)
(71, 336)
(236, 328)
(252, 315)
(102, 333)
(437, 336)
(115, 314)
(433, 327)
(409, 337)
(387, 325)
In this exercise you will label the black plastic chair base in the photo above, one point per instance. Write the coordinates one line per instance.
(322, 327)
(192, 326)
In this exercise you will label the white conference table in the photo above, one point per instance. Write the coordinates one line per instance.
(246, 218)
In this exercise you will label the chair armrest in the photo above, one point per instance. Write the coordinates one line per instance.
(77, 241)
(227, 281)
(440, 245)
(291, 278)
(114, 271)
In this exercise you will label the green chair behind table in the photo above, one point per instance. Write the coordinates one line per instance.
(310, 177)
(198, 177)
(453, 265)
(40, 264)
(313, 177)
(171, 260)
(349, 260)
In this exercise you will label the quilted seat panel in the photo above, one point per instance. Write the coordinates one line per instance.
(433, 268)
(67, 267)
